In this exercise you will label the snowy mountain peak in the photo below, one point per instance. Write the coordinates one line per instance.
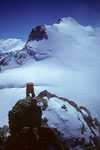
(67, 41)
(11, 44)
(68, 20)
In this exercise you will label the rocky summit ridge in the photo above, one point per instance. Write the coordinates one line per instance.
(53, 123)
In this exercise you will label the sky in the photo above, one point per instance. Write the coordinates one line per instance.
(18, 17)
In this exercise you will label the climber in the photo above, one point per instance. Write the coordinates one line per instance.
(30, 90)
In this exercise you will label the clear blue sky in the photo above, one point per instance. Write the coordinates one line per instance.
(18, 17)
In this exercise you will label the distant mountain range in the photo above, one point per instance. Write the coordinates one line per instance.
(9, 45)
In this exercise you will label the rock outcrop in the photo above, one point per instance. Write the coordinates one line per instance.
(19, 57)
(38, 33)
(16, 58)
(50, 123)
(4, 132)
(75, 123)
(48, 138)
(24, 114)
(30, 130)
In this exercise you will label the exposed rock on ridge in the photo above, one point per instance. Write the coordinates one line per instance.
(89, 129)
(38, 33)
(30, 130)
(21, 56)
(13, 59)
(63, 124)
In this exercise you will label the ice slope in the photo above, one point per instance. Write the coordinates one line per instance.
(11, 44)
(71, 68)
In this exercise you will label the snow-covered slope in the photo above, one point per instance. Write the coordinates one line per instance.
(74, 45)
(11, 44)
(74, 123)
(10, 53)
(63, 58)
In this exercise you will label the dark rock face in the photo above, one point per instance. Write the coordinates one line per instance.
(29, 50)
(38, 33)
(59, 20)
(29, 131)
(47, 94)
(4, 131)
(44, 139)
(18, 58)
(4, 60)
(24, 114)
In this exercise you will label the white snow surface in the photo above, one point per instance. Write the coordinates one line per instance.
(66, 121)
(71, 71)
(11, 44)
